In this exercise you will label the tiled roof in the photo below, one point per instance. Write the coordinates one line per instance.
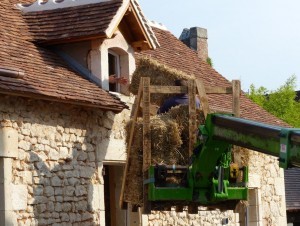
(85, 21)
(46, 76)
(174, 53)
(292, 191)
(72, 22)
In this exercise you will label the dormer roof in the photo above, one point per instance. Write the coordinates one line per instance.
(60, 21)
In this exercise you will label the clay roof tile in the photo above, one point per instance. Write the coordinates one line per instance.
(174, 53)
(46, 76)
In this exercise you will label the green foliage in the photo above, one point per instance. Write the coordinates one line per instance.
(280, 102)
(209, 61)
(258, 95)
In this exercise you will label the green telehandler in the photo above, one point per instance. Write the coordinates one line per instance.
(211, 178)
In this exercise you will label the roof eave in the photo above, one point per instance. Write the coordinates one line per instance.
(116, 109)
(69, 40)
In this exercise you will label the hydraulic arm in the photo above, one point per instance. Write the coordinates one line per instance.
(283, 143)
(211, 176)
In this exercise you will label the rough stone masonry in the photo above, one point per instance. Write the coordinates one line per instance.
(55, 179)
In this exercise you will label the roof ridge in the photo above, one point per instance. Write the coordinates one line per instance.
(157, 25)
(43, 5)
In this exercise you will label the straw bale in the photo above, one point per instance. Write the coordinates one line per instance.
(165, 144)
(169, 145)
(159, 74)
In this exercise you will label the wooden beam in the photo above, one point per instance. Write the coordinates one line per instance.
(125, 30)
(146, 142)
(218, 90)
(192, 115)
(183, 89)
(140, 45)
(236, 93)
(146, 124)
(134, 118)
(168, 89)
(236, 88)
(72, 39)
(203, 98)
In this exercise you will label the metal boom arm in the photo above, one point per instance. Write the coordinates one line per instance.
(283, 143)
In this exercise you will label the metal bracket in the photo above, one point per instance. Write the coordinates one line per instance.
(284, 148)
(149, 180)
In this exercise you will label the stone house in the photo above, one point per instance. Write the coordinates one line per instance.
(61, 130)
(62, 146)
(292, 183)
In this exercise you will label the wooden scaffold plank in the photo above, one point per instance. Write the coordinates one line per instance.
(203, 98)
(192, 115)
(218, 90)
(135, 109)
(168, 89)
(236, 93)
(146, 143)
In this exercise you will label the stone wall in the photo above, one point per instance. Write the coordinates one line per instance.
(266, 183)
(56, 178)
(265, 206)
(203, 218)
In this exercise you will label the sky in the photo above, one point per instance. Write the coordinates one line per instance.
(257, 41)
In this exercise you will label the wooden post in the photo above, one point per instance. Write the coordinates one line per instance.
(192, 115)
(146, 142)
(203, 97)
(134, 118)
(236, 93)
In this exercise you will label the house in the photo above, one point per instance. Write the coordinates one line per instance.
(61, 130)
(62, 146)
(292, 183)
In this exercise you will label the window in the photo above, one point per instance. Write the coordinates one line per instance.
(114, 69)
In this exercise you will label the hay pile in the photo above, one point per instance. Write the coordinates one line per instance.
(169, 145)
(159, 74)
(169, 131)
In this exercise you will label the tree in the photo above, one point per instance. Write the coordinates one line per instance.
(280, 102)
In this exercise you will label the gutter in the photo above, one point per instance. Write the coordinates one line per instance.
(11, 73)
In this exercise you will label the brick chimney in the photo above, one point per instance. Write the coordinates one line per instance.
(196, 39)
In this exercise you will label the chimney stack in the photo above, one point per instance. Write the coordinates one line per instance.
(196, 39)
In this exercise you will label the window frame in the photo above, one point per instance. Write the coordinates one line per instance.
(117, 68)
